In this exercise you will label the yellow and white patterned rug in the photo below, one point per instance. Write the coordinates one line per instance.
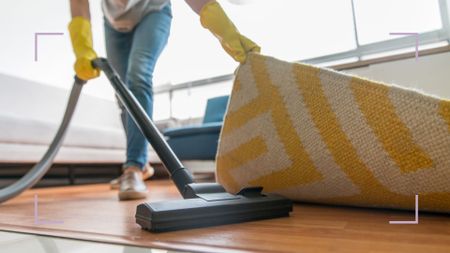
(316, 135)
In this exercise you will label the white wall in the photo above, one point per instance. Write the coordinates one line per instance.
(21, 19)
(430, 74)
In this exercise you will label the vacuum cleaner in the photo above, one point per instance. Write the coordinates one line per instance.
(203, 204)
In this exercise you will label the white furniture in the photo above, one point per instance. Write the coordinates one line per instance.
(30, 113)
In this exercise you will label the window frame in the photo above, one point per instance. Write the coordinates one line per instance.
(430, 37)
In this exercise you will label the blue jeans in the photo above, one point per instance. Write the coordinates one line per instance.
(134, 54)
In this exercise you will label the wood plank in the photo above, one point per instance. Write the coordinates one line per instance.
(94, 213)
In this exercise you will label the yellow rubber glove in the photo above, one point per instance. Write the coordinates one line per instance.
(81, 37)
(213, 18)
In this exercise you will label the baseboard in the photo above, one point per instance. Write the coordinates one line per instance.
(69, 174)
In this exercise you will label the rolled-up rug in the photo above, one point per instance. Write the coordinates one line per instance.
(316, 135)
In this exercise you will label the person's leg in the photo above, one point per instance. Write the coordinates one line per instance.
(149, 39)
(118, 47)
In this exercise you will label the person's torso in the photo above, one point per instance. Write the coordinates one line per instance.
(123, 15)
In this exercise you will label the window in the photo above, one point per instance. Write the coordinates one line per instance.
(375, 20)
(288, 29)
(191, 103)
(318, 32)
(294, 29)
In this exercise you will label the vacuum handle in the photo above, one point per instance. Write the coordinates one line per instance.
(181, 176)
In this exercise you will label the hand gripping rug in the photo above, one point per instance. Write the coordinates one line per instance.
(316, 135)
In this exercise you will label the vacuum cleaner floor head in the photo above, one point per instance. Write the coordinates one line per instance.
(210, 209)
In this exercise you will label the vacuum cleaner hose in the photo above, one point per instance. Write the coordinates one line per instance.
(39, 170)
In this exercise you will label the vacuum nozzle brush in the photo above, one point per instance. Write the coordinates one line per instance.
(211, 209)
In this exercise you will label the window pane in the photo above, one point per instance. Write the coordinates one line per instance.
(288, 29)
(191, 103)
(161, 106)
(375, 19)
(296, 29)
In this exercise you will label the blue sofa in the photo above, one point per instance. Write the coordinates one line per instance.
(199, 142)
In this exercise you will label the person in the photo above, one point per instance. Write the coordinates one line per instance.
(136, 32)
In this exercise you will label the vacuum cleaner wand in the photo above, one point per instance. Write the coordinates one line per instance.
(178, 173)
(204, 204)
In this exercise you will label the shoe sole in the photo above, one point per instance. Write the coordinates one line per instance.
(115, 184)
(130, 195)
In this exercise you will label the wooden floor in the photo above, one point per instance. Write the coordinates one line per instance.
(93, 213)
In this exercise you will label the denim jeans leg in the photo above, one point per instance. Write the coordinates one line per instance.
(118, 47)
(150, 37)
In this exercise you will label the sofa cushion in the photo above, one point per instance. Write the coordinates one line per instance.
(35, 132)
(215, 109)
(199, 146)
(31, 112)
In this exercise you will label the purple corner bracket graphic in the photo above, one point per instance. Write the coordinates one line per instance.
(409, 34)
(36, 36)
(416, 220)
(37, 221)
